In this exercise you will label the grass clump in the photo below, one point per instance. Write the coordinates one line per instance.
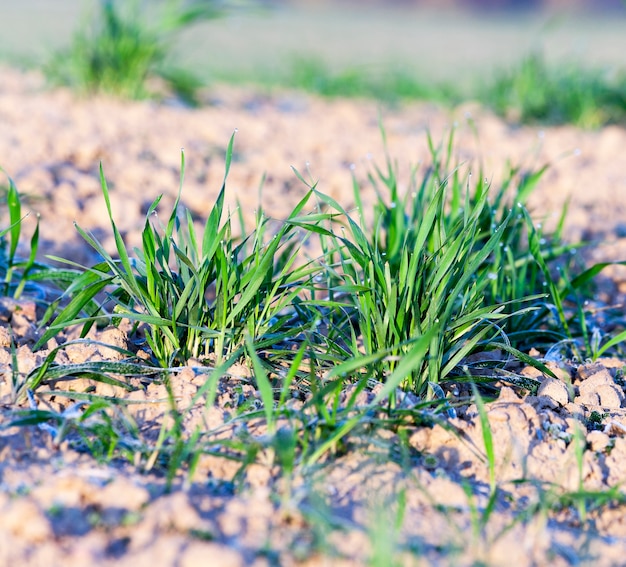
(448, 260)
(412, 300)
(121, 51)
(534, 91)
(197, 296)
(449, 269)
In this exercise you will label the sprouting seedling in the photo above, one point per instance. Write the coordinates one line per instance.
(14, 231)
(487, 438)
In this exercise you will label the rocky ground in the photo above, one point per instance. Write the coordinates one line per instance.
(59, 506)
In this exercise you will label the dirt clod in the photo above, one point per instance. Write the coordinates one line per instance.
(555, 390)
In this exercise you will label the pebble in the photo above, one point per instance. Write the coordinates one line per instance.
(594, 381)
(598, 441)
(554, 389)
(611, 396)
(588, 399)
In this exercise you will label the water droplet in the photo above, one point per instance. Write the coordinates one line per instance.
(492, 276)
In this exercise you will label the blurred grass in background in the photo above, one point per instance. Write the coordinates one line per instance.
(529, 64)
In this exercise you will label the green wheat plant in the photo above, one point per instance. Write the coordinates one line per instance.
(122, 49)
(447, 270)
(10, 265)
(198, 295)
(429, 261)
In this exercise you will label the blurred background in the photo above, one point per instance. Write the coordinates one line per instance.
(477, 4)
(444, 50)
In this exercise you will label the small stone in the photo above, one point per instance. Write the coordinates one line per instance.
(508, 394)
(615, 428)
(598, 440)
(588, 399)
(542, 403)
(588, 371)
(116, 338)
(554, 389)
(25, 310)
(531, 372)
(5, 337)
(575, 410)
(594, 381)
(609, 363)
(611, 396)
(80, 352)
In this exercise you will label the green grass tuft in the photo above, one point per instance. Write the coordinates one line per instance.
(535, 91)
(121, 50)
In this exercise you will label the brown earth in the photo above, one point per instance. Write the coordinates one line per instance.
(59, 506)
